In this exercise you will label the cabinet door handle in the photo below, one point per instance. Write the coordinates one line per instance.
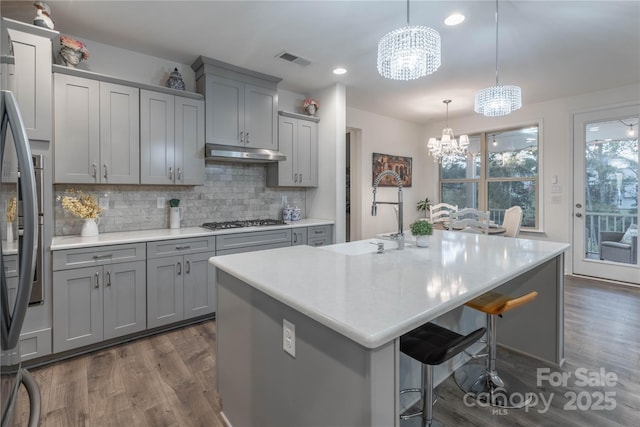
(242, 137)
(295, 177)
(102, 256)
(105, 171)
(179, 248)
(187, 267)
(108, 279)
(300, 179)
(295, 237)
(95, 170)
(179, 268)
(179, 174)
(97, 285)
(317, 231)
(171, 173)
(247, 137)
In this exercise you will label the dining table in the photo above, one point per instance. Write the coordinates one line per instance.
(493, 229)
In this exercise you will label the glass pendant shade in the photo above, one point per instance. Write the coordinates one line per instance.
(498, 100)
(409, 53)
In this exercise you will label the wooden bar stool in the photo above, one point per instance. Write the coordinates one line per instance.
(484, 382)
(431, 345)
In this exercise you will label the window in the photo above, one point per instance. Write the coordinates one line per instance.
(500, 170)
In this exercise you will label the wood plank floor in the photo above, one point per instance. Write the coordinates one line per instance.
(169, 379)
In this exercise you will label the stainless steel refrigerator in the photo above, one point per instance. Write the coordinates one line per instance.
(17, 263)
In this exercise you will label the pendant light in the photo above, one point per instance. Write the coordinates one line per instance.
(447, 145)
(498, 100)
(409, 52)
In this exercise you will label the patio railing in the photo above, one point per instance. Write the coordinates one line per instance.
(596, 222)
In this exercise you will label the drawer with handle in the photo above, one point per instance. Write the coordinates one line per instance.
(100, 255)
(192, 245)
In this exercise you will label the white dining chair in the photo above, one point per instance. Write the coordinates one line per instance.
(470, 220)
(441, 212)
(512, 220)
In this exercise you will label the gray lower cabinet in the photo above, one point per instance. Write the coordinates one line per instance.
(320, 235)
(178, 285)
(299, 236)
(98, 302)
(236, 243)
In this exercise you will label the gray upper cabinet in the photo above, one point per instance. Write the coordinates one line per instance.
(298, 140)
(31, 47)
(96, 132)
(241, 105)
(171, 139)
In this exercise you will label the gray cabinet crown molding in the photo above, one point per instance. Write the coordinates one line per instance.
(298, 116)
(203, 65)
(110, 79)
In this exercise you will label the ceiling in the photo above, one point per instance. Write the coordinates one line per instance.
(552, 49)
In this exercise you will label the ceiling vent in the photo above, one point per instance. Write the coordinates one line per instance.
(290, 57)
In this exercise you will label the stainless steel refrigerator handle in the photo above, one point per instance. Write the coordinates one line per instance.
(27, 263)
(34, 398)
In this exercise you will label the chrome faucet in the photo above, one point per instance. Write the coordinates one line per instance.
(399, 236)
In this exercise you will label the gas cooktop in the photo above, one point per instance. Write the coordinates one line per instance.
(224, 225)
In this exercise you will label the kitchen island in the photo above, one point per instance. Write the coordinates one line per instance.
(346, 307)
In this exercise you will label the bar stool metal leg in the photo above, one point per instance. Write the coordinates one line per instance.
(486, 385)
(432, 345)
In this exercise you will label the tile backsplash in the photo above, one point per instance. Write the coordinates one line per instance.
(231, 191)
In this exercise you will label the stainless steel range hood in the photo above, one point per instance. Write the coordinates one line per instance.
(227, 153)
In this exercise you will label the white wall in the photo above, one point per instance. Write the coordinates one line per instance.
(381, 134)
(328, 200)
(133, 66)
(556, 139)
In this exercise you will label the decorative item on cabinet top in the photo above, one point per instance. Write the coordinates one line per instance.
(72, 51)
(311, 105)
(43, 18)
(175, 80)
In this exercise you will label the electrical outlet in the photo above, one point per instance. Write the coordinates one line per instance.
(289, 337)
(104, 203)
(162, 203)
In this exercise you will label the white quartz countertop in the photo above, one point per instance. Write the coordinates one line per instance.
(374, 298)
(74, 242)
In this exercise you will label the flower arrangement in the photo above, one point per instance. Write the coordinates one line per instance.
(310, 101)
(74, 44)
(79, 204)
(11, 209)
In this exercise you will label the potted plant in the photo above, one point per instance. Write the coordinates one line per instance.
(421, 229)
(424, 206)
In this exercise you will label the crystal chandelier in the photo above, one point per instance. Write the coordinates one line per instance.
(447, 145)
(409, 52)
(498, 100)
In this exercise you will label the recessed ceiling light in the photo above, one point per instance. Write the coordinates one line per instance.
(454, 19)
(339, 70)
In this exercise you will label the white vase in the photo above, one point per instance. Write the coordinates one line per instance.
(89, 228)
(72, 57)
(311, 109)
(9, 232)
(422, 241)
